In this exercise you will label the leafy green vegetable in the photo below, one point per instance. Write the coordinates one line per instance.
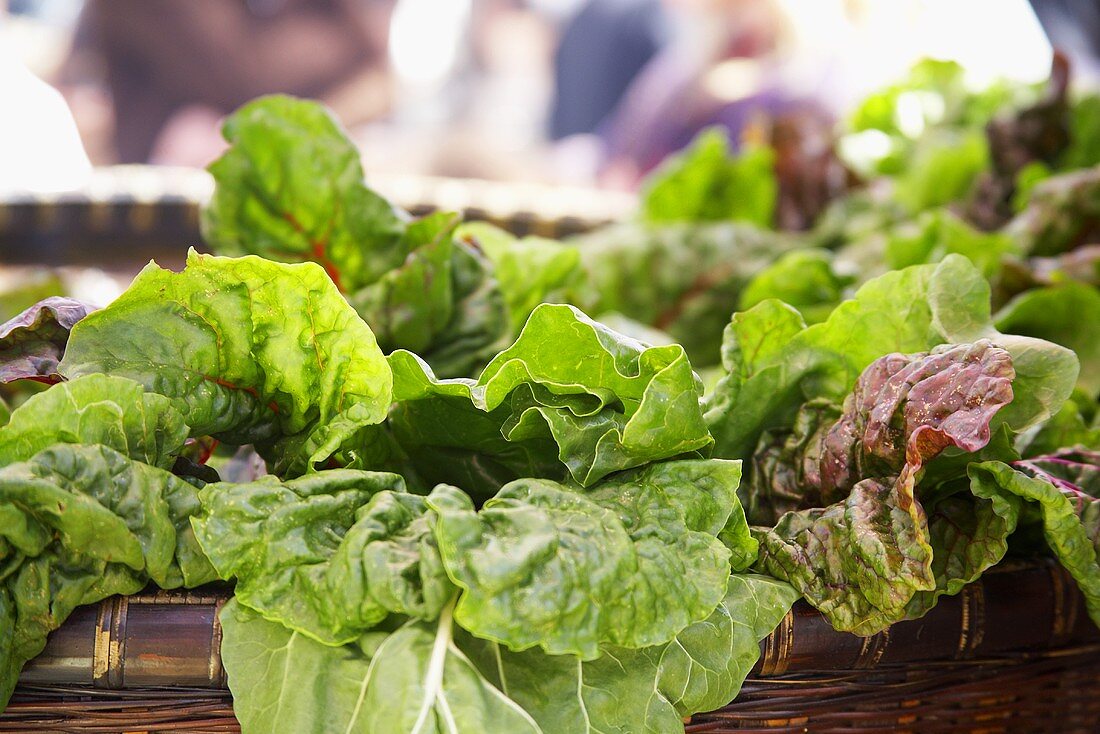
(421, 677)
(290, 188)
(329, 555)
(608, 403)
(32, 343)
(805, 279)
(630, 562)
(705, 183)
(908, 310)
(78, 524)
(684, 279)
(1069, 508)
(97, 409)
(1066, 314)
(939, 233)
(861, 560)
(528, 269)
(248, 350)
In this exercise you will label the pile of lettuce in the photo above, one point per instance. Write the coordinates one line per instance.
(452, 501)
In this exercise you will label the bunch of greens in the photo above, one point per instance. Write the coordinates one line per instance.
(593, 576)
(462, 504)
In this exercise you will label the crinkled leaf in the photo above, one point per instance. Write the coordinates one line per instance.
(249, 350)
(329, 555)
(630, 563)
(434, 677)
(652, 689)
(859, 561)
(413, 679)
(607, 402)
(96, 409)
(78, 524)
(910, 310)
(290, 187)
(968, 535)
(705, 183)
(32, 343)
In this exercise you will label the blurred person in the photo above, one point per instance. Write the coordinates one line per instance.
(602, 48)
(174, 67)
(731, 63)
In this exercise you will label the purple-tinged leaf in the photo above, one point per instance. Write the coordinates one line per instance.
(32, 343)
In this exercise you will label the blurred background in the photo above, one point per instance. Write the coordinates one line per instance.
(578, 92)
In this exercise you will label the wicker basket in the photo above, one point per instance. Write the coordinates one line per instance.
(1013, 653)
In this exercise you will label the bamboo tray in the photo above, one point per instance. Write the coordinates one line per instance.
(1014, 652)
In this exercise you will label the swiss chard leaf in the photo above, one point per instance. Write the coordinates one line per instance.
(1066, 314)
(80, 523)
(528, 269)
(684, 279)
(96, 409)
(32, 343)
(434, 677)
(1064, 489)
(652, 689)
(248, 350)
(290, 188)
(607, 402)
(910, 310)
(329, 555)
(629, 563)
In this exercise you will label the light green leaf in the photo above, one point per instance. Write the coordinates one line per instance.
(329, 555)
(629, 563)
(248, 350)
(414, 679)
(607, 402)
(96, 409)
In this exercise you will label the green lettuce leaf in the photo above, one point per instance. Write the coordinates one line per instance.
(653, 689)
(705, 183)
(79, 524)
(329, 555)
(1064, 489)
(607, 402)
(628, 563)
(290, 188)
(96, 409)
(248, 350)
(412, 679)
(806, 279)
(434, 677)
(910, 310)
